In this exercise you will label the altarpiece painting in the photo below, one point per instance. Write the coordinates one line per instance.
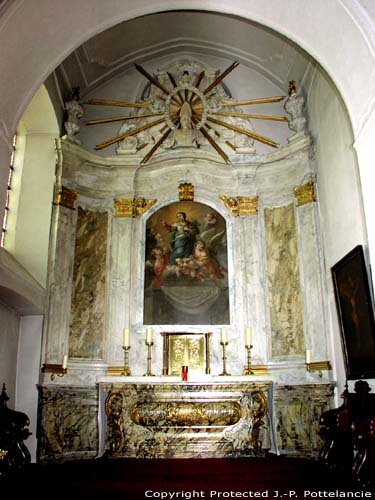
(186, 266)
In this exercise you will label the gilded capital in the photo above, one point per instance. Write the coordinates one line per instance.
(124, 207)
(304, 193)
(131, 207)
(241, 205)
(186, 192)
(247, 205)
(65, 197)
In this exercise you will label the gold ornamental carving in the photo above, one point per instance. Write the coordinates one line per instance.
(186, 192)
(240, 205)
(304, 193)
(113, 409)
(65, 197)
(131, 207)
(260, 407)
(186, 414)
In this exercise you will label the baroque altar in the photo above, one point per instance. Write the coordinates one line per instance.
(250, 257)
(163, 419)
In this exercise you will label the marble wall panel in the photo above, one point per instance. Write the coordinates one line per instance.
(297, 412)
(67, 426)
(284, 296)
(87, 321)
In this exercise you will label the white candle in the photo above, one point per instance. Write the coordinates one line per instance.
(308, 356)
(65, 361)
(126, 337)
(149, 336)
(223, 335)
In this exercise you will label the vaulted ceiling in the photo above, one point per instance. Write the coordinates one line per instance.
(114, 51)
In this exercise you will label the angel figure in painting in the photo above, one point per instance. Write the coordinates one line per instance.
(157, 265)
(206, 262)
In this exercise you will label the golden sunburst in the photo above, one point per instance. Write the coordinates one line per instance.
(186, 111)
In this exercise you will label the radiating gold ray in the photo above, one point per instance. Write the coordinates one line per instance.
(141, 146)
(218, 135)
(119, 138)
(214, 144)
(122, 118)
(275, 118)
(254, 136)
(218, 80)
(154, 81)
(260, 100)
(173, 82)
(121, 104)
(156, 146)
(196, 85)
(159, 143)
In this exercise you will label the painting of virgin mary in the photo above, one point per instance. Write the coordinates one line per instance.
(186, 270)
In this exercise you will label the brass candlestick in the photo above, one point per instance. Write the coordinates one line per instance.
(247, 370)
(224, 344)
(149, 372)
(126, 369)
(54, 370)
(318, 366)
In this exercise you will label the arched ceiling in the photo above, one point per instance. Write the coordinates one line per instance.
(114, 51)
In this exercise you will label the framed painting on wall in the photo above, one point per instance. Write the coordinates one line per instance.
(355, 307)
(186, 278)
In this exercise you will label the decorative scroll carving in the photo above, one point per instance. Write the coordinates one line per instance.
(65, 197)
(186, 192)
(131, 207)
(259, 412)
(241, 205)
(141, 205)
(113, 409)
(182, 414)
(304, 193)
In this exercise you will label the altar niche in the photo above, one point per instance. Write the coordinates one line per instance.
(186, 266)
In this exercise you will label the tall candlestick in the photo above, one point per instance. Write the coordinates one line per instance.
(248, 337)
(126, 337)
(308, 356)
(149, 336)
(65, 361)
(224, 335)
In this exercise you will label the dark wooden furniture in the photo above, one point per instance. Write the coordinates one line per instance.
(349, 435)
(13, 431)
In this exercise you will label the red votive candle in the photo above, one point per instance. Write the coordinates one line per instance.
(184, 373)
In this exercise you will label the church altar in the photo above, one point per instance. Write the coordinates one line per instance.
(159, 418)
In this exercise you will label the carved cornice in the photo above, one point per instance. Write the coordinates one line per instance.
(186, 192)
(131, 207)
(304, 193)
(65, 197)
(241, 205)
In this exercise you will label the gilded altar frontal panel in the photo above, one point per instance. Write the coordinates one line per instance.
(88, 285)
(284, 295)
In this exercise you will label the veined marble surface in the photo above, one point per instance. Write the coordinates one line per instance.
(88, 285)
(284, 296)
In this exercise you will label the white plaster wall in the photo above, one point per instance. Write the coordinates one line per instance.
(35, 205)
(342, 218)
(9, 321)
(27, 374)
